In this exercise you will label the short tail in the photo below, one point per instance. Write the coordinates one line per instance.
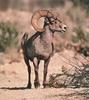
(24, 39)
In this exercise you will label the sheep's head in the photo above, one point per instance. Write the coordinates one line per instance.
(54, 23)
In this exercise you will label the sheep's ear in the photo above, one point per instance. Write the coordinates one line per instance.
(52, 19)
(46, 20)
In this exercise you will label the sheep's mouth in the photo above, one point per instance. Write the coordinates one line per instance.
(62, 31)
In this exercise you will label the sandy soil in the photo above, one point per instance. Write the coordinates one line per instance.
(13, 80)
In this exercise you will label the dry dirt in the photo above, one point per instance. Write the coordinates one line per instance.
(14, 76)
(13, 80)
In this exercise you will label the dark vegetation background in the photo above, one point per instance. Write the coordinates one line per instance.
(31, 4)
(16, 15)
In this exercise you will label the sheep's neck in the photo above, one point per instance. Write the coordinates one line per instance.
(47, 35)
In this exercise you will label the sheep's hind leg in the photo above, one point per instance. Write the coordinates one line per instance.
(36, 68)
(29, 72)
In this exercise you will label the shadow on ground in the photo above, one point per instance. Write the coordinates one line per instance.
(14, 88)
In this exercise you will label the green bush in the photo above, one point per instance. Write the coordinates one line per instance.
(8, 36)
(82, 3)
(80, 35)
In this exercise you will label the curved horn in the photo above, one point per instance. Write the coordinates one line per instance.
(36, 16)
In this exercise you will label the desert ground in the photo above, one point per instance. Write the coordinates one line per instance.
(13, 71)
(13, 80)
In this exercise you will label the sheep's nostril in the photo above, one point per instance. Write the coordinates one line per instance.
(65, 28)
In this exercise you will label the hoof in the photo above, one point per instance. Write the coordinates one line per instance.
(45, 85)
(36, 84)
(28, 86)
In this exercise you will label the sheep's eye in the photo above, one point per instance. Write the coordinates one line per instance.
(52, 20)
(55, 22)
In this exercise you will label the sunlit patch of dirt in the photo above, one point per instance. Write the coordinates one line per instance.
(14, 77)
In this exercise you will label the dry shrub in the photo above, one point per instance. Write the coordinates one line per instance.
(77, 15)
(75, 77)
(9, 41)
(8, 36)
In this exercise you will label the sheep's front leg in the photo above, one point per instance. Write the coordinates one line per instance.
(45, 72)
(29, 72)
(36, 69)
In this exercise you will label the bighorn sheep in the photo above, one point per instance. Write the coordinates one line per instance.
(40, 46)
